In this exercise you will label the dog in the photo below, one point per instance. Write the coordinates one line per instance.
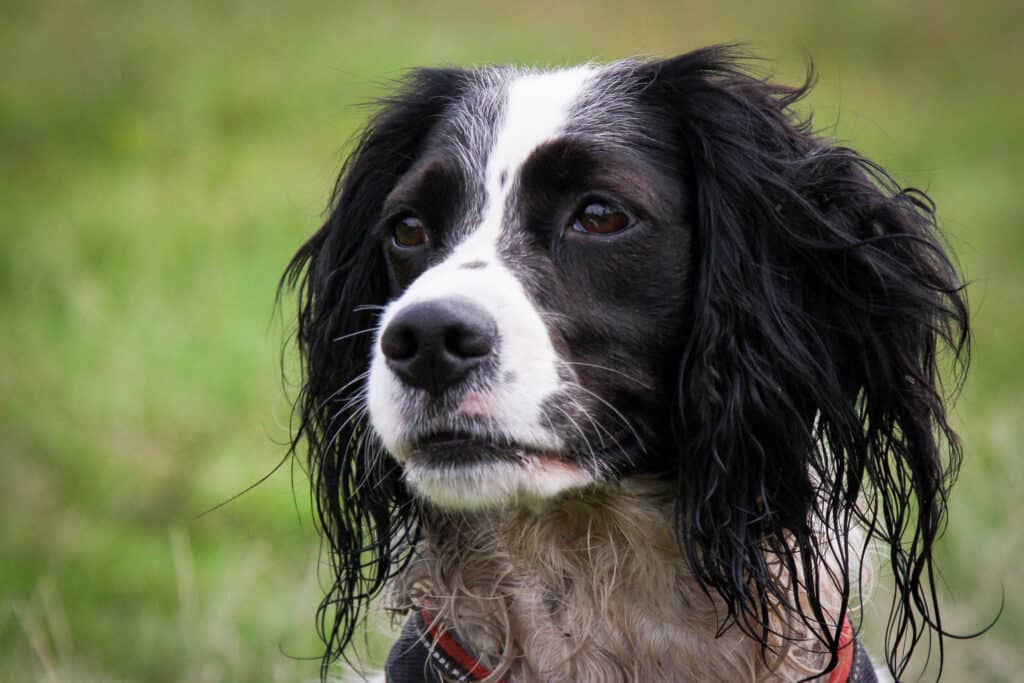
(624, 372)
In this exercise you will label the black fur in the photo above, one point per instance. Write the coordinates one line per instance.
(824, 298)
(366, 516)
(802, 389)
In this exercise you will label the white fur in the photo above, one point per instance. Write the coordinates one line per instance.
(530, 481)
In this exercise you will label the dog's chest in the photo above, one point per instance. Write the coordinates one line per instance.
(594, 590)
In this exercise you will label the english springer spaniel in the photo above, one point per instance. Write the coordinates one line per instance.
(623, 372)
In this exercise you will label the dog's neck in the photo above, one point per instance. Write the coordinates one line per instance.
(591, 588)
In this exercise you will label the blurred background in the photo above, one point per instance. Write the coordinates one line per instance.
(159, 164)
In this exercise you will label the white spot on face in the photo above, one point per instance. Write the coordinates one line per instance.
(536, 110)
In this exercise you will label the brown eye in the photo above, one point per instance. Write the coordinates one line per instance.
(600, 219)
(409, 232)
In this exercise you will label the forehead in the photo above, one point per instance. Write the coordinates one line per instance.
(506, 113)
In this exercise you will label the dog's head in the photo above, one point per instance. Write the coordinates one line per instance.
(534, 282)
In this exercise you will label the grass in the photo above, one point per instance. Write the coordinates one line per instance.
(160, 163)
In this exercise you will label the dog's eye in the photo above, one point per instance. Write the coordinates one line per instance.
(601, 219)
(409, 232)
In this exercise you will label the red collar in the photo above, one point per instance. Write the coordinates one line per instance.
(841, 674)
(477, 671)
(452, 648)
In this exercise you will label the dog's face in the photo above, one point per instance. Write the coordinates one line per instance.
(538, 255)
(532, 282)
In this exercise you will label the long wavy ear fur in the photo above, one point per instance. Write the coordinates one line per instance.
(809, 398)
(366, 516)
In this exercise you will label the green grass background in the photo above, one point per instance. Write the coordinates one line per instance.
(160, 162)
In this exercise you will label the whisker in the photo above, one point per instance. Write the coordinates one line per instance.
(616, 411)
(612, 370)
(369, 307)
(361, 376)
(359, 396)
(601, 430)
(601, 433)
(357, 415)
(373, 452)
(354, 334)
(583, 435)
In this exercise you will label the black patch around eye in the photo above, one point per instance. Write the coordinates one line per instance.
(434, 190)
(558, 167)
(404, 265)
(561, 178)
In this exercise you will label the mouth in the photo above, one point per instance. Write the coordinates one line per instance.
(465, 470)
(459, 448)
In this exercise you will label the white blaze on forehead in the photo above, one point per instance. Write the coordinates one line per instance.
(536, 109)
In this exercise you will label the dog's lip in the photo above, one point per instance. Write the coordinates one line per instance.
(448, 442)
(446, 438)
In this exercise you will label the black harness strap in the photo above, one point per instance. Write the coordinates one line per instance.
(424, 652)
(863, 670)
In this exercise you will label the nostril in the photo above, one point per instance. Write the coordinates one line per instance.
(469, 342)
(399, 342)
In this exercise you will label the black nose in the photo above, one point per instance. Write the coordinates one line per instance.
(434, 345)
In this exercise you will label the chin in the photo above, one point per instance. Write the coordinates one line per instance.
(623, 372)
(524, 479)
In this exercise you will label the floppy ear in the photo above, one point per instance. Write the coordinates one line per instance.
(364, 512)
(809, 398)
